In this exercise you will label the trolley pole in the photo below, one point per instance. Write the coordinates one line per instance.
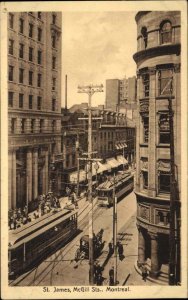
(115, 232)
(90, 90)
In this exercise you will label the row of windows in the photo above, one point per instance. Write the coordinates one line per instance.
(30, 101)
(164, 128)
(164, 82)
(22, 77)
(163, 181)
(11, 19)
(22, 53)
(165, 33)
(24, 128)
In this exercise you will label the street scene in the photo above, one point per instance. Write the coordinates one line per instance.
(94, 148)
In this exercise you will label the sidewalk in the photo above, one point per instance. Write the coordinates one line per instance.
(126, 273)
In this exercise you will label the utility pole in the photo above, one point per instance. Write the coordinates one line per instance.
(173, 197)
(115, 231)
(90, 90)
(78, 165)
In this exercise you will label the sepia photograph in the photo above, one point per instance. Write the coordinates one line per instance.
(94, 150)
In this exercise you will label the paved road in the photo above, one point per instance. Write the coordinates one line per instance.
(60, 268)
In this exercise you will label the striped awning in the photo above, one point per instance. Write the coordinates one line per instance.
(122, 160)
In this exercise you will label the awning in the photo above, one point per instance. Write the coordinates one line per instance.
(73, 177)
(122, 160)
(164, 166)
(113, 162)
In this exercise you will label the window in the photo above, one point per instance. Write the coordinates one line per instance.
(11, 21)
(30, 78)
(30, 101)
(23, 121)
(53, 83)
(21, 96)
(13, 125)
(39, 102)
(53, 125)
(39, 34)
(10, 73)
(67, 160)
(10, 99)
(145, 80)
(165, 82)
(53, 41)
(11, 47)
(41, 125)
(39, 80)
(39, 59)
(53, 19)
(21, 50)
(30, 54)
(30, 30)
(21, 75)
(145, 120)
(53, 104)
(21, 25)
(166, 32)
(53, 62)
(145, 179)
(145, 36)
(39, 14)
(32, 125)
(164, 130)
(164, 182)
(73, 159)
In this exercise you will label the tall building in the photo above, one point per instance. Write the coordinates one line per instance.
(120, 92)
(34, 102)
(158, 82)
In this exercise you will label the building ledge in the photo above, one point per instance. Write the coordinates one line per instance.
(161, 197)
(165, 49)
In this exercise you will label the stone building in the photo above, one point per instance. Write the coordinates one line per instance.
(158, 79)
(120, 92)
(34, 102)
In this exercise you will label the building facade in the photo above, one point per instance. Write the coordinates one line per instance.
(120, 92)
(34, 102)
(158, 82)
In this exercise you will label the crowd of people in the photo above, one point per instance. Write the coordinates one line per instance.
(19, 216)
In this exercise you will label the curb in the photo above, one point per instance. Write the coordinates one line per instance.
(157, 281)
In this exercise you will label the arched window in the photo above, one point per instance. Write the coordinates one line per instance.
(145, 36)
(166, 32)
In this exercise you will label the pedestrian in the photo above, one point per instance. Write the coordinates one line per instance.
(144, 272)
(110, 249)
(111, 276)
(120, 250)
(99, 279)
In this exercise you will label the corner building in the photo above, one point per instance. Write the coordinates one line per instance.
(34, 102)
(158, 78)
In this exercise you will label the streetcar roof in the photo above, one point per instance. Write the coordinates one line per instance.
(16, 238)
(109, 184)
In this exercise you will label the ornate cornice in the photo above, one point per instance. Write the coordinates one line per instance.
(157, 51)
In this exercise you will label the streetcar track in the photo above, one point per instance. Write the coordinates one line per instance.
(82, 223)
(59, 260)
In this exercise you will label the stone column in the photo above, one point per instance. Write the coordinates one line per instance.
(9, 179)
(35, 173)
(154, 256)
(141, 247)
(29, 176)
(14, 179)
(152, 136)
(45, 184)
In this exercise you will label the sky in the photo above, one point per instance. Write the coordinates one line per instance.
(96, 46)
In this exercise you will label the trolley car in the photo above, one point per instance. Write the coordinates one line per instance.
(121, 184)
(31, 242)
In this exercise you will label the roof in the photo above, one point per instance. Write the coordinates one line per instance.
(32, 229)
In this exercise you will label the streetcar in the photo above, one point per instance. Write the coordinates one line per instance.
(121, 184)
(35, 240)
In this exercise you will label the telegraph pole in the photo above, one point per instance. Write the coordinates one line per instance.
(90, 90)
(173, 197)
(115, 231)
